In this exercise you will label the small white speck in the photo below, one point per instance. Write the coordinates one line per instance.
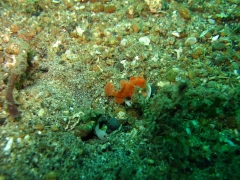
(215, 38)
(80, 31)
(56, 44)
(235, 72)
(176, 34)
(144, 40)
(7, 149)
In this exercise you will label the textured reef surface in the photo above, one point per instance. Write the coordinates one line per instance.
(119, 89)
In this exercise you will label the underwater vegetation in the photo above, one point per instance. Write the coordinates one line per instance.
(112, 89)
(194, 129)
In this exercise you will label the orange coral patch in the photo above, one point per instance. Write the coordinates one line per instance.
(109, 89)
(127, 88)
(138, 81)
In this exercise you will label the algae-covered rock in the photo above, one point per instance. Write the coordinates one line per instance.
(154, 5)
(217, 46)
(236, 12)
(84, 130)
(19, 49)
(184, 12)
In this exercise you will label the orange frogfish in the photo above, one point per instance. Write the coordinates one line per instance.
(127, 88)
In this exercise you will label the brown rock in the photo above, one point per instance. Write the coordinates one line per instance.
(109, 9)
(136, 27)
(98, 7)
(184, 12)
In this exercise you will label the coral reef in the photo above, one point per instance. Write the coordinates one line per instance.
(127, 88)
(61, 59)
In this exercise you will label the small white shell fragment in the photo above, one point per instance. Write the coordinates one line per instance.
(79, 30)
(56, 44)
(215, 38)
(7, 149)
(176, 34)
(144, 40)
(190, 41)
(123, 42)
(128, 102)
